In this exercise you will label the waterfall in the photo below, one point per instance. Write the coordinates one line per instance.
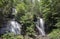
(40, 26)
(15, 27)
(11, 26)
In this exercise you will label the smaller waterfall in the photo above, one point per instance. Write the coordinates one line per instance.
(40, 26)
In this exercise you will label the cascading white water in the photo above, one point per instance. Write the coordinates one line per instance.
(15, 27)
(12, 26)
(40, 26)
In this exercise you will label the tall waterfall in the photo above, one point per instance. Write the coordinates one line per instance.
(40, 26)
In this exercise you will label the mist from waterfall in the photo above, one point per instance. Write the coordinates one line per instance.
(40, 26)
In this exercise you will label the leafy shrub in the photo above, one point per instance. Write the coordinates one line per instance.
(58, 24)
(11, 36)
(55, 34)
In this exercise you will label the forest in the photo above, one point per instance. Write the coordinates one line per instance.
(23, 19)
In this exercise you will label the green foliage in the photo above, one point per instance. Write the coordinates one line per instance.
(26, 9)
(11, 36)
(57, 24)
(51, 10)
(21, 10)
(25, 16)
(55, 34)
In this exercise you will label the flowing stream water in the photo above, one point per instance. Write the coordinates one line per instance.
(40, 26)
